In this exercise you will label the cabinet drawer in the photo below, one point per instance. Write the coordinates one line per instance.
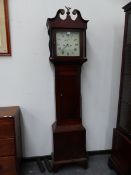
(7, 166)
(7, 147)
(6, 127)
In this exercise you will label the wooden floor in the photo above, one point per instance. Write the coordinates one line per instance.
(97, 166)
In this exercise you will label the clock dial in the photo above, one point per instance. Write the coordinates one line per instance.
(67, 43)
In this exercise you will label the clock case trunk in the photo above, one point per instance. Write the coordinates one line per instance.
(120, 158)
(69, 135)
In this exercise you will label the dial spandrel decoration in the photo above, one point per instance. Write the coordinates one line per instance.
(67, 43)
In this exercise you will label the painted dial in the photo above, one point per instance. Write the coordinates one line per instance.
(67, 43)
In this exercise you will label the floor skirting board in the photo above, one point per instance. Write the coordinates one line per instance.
(89, 153)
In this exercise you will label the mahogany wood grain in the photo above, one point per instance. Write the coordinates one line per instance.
(8, 165)
(69, 135)
(6, 127)
(10, 141)
(7, 147)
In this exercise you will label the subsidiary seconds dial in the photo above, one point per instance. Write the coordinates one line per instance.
(67, 43)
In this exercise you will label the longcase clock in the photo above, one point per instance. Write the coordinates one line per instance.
(67, 44)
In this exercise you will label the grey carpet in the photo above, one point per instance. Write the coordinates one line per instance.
(97, 166)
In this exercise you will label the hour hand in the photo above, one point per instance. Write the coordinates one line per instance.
(65, 46)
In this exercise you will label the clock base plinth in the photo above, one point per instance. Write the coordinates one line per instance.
(69, 144)
(56, 165)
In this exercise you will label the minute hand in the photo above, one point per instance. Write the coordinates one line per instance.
(65, 46)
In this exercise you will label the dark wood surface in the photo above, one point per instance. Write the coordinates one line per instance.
(67, 147)
(7, 147)
(8, 165)
(120, 158)
(124, 108)
(68, 97)
(69, 136)
(10, 141)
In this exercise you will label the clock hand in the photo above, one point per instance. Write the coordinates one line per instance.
(65, 46)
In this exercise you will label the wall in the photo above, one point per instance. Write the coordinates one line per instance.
(27, 78)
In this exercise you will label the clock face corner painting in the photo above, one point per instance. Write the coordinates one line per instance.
(5, 48)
